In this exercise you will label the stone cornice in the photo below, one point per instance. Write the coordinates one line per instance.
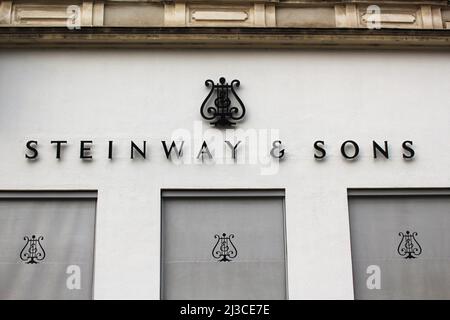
(170, 37)
(278, 22)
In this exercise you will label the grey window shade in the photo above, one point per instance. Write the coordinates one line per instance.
(67, 227)
(375, 223)
(189, 224)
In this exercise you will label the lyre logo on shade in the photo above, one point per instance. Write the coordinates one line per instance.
(409, 247)
(32, 252)
(224, 250)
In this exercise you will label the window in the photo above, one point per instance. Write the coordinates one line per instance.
(47, 245)
(400, 243)
(223, 244)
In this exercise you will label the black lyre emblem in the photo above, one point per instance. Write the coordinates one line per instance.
(408, 247)
(32, 252)
(223, 113)
(224, 250)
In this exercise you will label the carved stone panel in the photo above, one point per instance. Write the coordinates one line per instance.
(230, 15)
(88, 13)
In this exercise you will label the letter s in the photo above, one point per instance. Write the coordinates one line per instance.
(31, 145)
(407, 146)
(318, 145)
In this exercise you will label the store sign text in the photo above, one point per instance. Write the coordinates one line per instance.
(349, 149)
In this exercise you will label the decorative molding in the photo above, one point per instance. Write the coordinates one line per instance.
(87, 13)
(40, 14)
(225, 15)
(26, 14)
(205, 15)
(284, 15)
(391, 18)
(346, 16)
(405, 14)
(437, 18)
(201, 15)
(271, 20)
(431, 17)
(427, 17)
(5, 12)
(183, 37)
(175, 14)
(92, 13)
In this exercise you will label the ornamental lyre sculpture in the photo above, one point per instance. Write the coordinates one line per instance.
(222, 113)
(409, 247)
(224, 250)
(32, 252)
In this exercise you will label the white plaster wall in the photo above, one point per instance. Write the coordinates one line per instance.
(307, 95)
